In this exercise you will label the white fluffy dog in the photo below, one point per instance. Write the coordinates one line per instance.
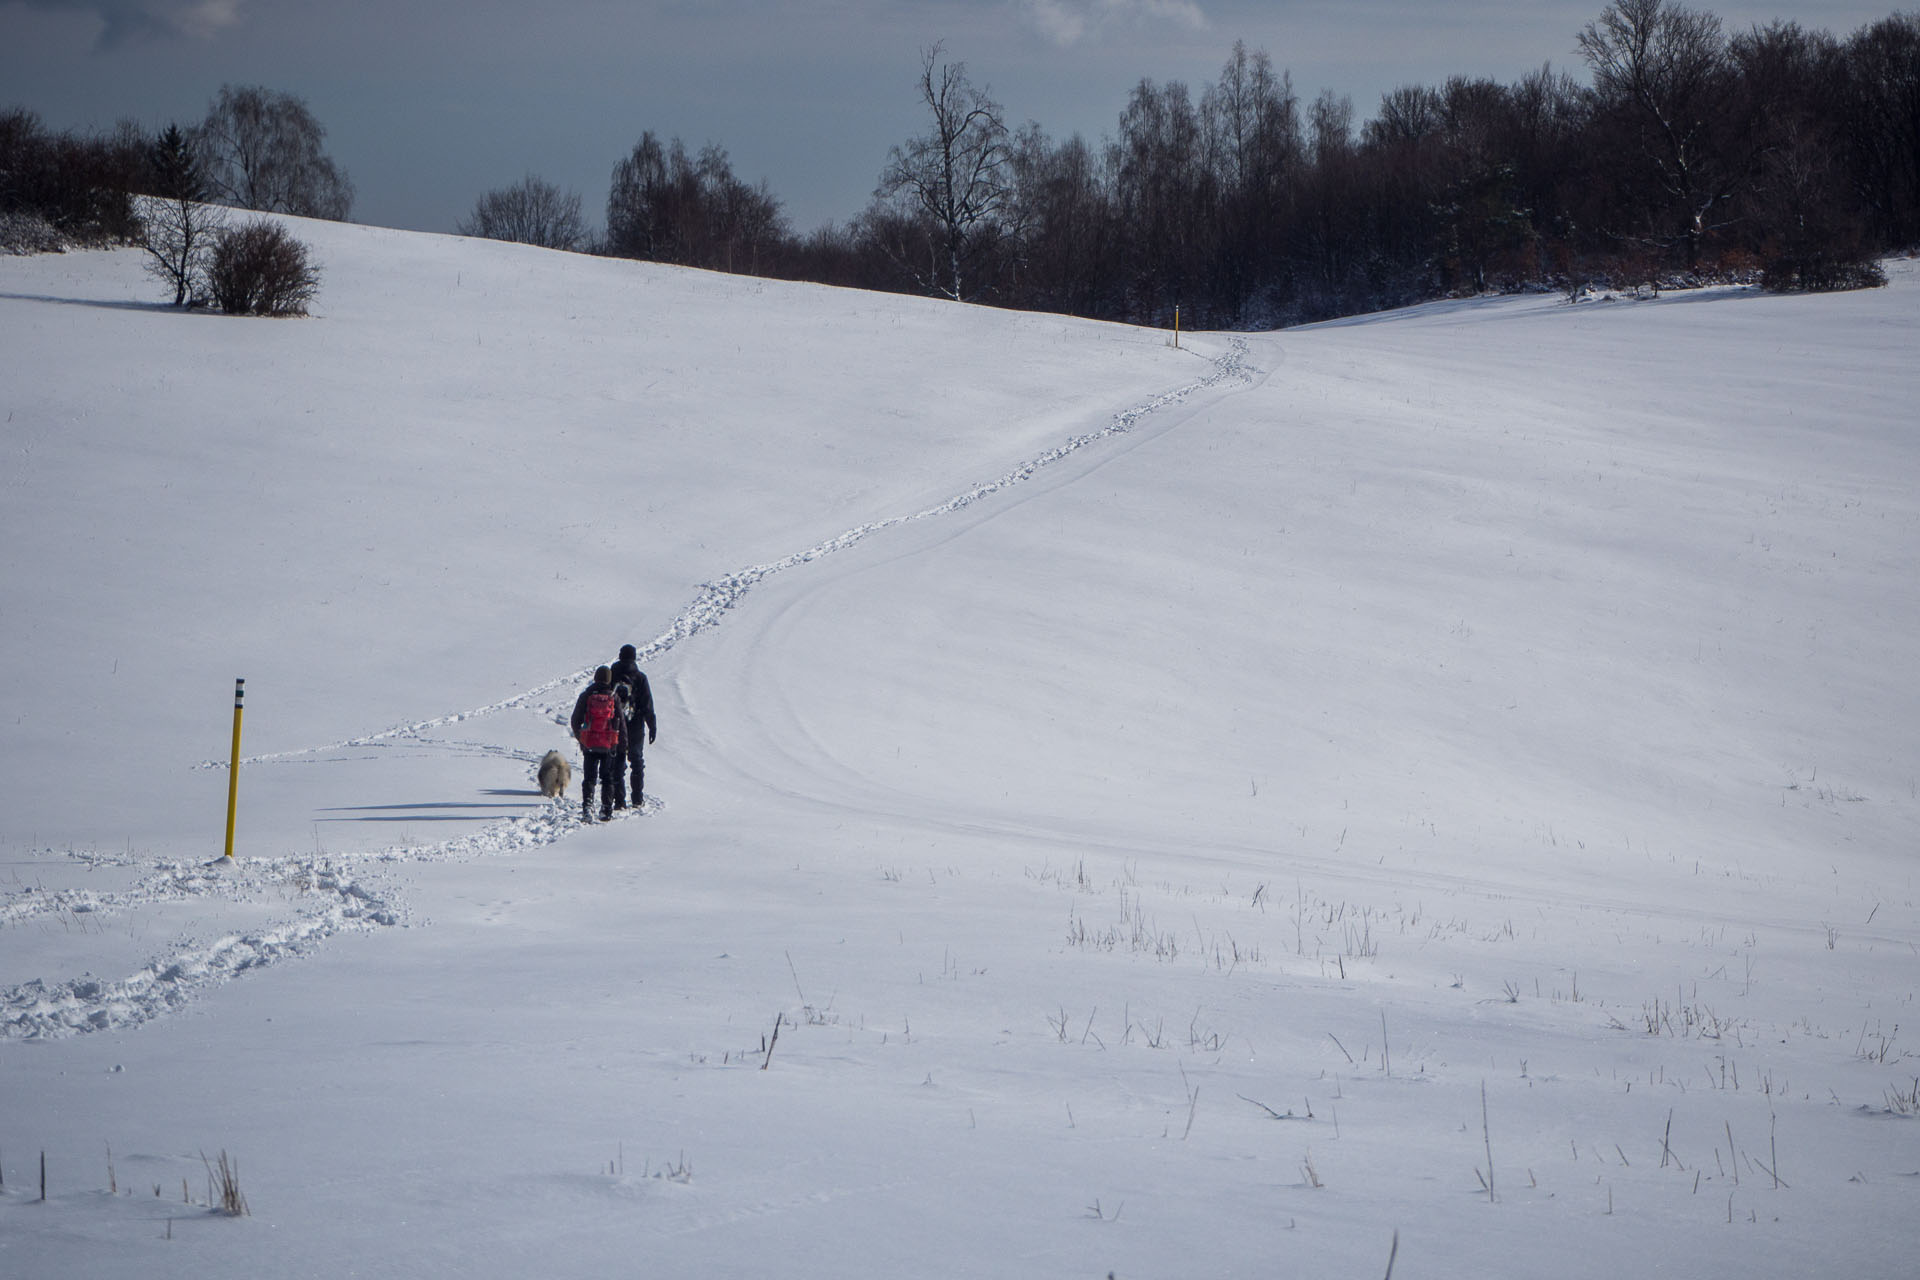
(556, 775)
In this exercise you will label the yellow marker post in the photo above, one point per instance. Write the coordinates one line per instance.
(233, 772)
(1176, 328)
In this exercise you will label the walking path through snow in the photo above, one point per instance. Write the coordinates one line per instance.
(328, 894)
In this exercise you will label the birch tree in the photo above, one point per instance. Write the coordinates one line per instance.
(956, 175)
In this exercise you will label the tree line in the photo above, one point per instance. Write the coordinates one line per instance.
(1778, 153)
(1688, 153)
(168, 193)
(254, 149)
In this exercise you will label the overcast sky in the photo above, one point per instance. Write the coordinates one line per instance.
(429, 103)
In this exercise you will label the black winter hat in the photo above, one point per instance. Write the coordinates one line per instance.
(626, 652)
(603, 675)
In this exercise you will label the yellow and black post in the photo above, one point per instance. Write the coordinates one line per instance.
(233, 772)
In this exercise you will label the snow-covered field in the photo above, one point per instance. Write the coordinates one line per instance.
(1447, 777)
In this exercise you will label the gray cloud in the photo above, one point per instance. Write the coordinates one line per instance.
(130, 21)
(1068, 22)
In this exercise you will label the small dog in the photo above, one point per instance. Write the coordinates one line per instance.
(556, 775)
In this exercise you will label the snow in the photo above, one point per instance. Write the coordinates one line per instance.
(1183, 811)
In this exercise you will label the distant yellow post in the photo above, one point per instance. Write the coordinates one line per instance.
(1176, 326)
(233, 772)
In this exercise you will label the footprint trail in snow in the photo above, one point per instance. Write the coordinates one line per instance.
(332, 894)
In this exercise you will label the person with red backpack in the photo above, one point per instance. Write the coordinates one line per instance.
(601, 732)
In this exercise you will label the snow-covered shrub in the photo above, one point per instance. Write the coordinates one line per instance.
(259, 269)
(24, 232)
(1819, 272)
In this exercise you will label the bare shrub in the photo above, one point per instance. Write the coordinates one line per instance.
(260, 270)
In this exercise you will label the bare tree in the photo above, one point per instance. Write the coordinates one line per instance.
(742, 222)
(637, 200)
(957, 174)
(1479, 215)
(1253, 115)
(263, 151)
(179, 235)
(1068, 231)
(531, 211)
(664, 205)
(1664, 69)
(1329, 241)
(1252, 118)
(1880, 119)
(1164, 192)
(179, 229)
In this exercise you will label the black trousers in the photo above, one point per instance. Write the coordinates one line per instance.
(635, 760)
(602, 768)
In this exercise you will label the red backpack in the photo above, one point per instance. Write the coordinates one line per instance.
(600, 732)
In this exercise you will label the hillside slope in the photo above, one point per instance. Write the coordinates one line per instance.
(1118, 809)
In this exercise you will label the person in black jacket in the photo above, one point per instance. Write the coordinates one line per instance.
(640, 714)
(598, 727)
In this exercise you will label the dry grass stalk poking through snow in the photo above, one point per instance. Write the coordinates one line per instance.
(223, 1187)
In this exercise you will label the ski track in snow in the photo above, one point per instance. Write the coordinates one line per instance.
(327, 896)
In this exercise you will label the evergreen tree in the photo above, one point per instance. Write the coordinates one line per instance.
(177, 172)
